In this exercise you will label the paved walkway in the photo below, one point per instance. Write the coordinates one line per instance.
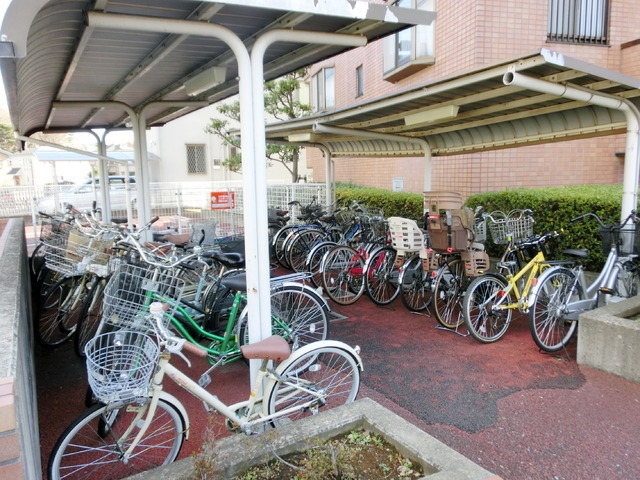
(516, 412)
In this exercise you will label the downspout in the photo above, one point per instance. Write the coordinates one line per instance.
(632, 157)
(317, 127)
(257, 171)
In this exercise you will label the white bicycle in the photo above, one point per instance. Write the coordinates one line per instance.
(138, 426)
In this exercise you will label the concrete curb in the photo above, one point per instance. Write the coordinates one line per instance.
(239, 452)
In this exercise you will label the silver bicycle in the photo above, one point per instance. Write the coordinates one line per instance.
(562, 292)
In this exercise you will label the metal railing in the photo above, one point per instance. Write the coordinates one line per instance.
(181, 206)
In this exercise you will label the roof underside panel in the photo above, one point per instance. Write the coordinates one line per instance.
(472, 112)
(69, 60)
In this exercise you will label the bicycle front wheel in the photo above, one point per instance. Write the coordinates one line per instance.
(381, 276)
(549, 328)
(448, 289)
(485, 321)
(93, 445)
(342, 275)
(91, 315)
(321, 378)
(54, 324)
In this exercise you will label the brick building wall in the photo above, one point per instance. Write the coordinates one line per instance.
(470, 34)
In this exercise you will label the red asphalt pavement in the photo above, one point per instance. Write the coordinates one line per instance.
(517, 412)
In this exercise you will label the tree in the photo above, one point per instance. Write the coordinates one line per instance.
(281, 103)
(7, 140)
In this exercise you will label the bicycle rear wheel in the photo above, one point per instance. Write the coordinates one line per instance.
(381, 276)
(323, 377)
(314, 262)
(416, 285)
(547, 323)
(448, 289)
(486, 323)
(92, 446)
(342, 275)
(299, 247)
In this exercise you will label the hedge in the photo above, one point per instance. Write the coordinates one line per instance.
(553, 209)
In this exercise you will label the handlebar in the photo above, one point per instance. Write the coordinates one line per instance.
(632, 216)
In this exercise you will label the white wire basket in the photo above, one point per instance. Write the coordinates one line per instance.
(132, 289)
(515, 224)
(74, 252)
(120, 365)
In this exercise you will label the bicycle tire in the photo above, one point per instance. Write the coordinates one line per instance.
(381, 278)
(87, 448)
(279, 241)
(330, 370)
(298, 308)
(416, 286)
(90, 316)
(484, 323)
(50, 329)
(342, 274)
(314, 261)
(549, 329)
(299, 247)
(448, 288)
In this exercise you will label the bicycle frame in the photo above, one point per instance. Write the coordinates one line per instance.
(533, 269)
(254, 410)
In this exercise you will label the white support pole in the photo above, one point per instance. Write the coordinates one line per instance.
(257, 274)
(258, 172)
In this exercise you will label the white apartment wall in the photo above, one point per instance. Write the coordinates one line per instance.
(173, 137)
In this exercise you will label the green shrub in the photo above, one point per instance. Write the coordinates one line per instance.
(553, 209)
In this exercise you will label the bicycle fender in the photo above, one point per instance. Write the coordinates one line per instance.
(167, 397)
(541, 278)
(311, 291)
(320, 344)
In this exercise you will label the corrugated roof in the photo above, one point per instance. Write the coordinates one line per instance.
(471, 112)
(60, 57)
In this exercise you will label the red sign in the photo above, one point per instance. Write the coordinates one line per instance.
(223, 200)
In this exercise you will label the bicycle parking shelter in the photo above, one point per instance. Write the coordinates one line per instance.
(105, 65)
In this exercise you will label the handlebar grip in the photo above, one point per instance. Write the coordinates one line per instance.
(195, 349)
(580, 217)
(154, 219)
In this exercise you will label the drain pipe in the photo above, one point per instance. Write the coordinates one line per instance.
(632, 157)
(318, 127)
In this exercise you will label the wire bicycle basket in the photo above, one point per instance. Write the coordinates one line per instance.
(626, 239)
(120, 365)
(74, 252)
(516, 225)
(132, 289)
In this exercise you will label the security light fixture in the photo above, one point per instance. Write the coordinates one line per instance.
(205, 80)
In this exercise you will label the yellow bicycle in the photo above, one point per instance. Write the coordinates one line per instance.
(491, 298)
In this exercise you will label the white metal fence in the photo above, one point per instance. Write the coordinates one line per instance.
(179, 205)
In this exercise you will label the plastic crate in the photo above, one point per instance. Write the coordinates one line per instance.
(406, 236)
(435, 202)
(475, 263)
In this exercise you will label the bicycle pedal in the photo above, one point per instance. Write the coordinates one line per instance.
(204, 380)
(606, 291)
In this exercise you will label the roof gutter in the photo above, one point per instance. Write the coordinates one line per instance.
(318, 127)
(632, 153)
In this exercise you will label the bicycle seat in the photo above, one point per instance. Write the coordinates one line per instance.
(576, 252)
(229, 260)
(271, 348)
(236, 282)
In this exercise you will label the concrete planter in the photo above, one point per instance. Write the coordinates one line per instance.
(609, 339)
(240, 452)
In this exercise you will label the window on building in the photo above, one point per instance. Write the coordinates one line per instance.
(411, 49)
(359, 81)
(323, 90)
(196, 159)
(578, 21)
